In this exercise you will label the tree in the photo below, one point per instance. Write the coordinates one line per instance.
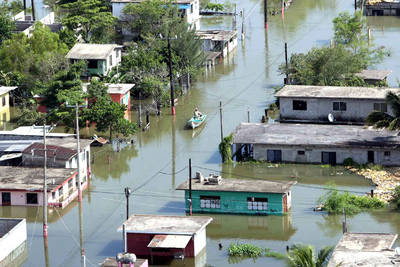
(90, 19)
(304, 256)
(96, 90)
(7, 25)
(383, 120)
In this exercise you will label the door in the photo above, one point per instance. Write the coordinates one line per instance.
(328, 158)
(371, 157)
(274, 155)
(285, 209)
(6, 198)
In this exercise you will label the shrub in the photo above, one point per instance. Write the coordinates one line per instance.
(349, 162)
(274, 254)
(396, 197)
(225, 148)
(245, 250)
(334, 202)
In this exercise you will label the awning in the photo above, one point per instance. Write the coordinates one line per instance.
(169, 241)
(10, 156)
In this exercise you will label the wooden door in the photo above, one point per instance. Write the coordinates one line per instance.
(285, 208)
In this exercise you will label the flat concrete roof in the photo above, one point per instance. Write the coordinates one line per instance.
(364, 249)
(378, 75)
(6, 224)
(6, 89)
(216, 35)
(310, 91)
(139, 1)
(336, 136)
(240, 185)
(114, 88)
(91, 51)
(165, 224)
(31, 179)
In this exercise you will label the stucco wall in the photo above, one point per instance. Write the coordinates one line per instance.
(235, 202)
(319, 109)
(12, 239)
(313, 154)
(200, 241)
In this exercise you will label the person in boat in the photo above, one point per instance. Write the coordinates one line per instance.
(197, 114)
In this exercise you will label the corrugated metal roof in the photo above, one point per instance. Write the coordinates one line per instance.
(169, 241)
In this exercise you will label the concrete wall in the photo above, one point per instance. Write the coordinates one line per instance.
(200, 241)
(4, 109)
(313, 154)
(318, 109)
(235, 202)
(13, 238)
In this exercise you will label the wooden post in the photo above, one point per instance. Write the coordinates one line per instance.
(287, 65)
(171, 77)
(124, 238)
(266, 14)
(248, 114)
(44, 183)
(242, 24)
(220, 118)
(128, 192)
(24, 8)
(190, 186)
(140, 111)
(344, 222)
(372, 193)
(355, 4)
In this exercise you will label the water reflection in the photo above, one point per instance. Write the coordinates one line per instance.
(331, 225)
(251, 227)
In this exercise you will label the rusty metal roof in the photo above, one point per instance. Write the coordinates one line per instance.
(169, 241)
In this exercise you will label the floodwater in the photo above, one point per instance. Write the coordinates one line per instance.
(157, 162)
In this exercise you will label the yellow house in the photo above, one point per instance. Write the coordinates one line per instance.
(5, 103)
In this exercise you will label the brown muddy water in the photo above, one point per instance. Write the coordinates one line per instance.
(157, 162)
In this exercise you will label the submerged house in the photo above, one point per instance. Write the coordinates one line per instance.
(13, 248)
(220, 41)
(150, 236)
(382, 8)
(101, 57)
(313, 143)
(306, 103)
(237, 196)
(5, 103)
(365, 249)
(21, 186)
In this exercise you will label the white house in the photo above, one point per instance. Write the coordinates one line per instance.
(101, 57)
(218, 41)
(346, 104)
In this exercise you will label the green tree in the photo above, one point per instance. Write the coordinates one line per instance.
(90, 19)
(96, 89)
(7, 25)
(383, 120)
(304, 256)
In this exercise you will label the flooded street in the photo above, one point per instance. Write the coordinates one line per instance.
(158, 160)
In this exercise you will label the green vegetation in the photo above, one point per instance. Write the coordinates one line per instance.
(334, 202)
(336, 65)
(225, 148)
(349, 162)
(381, 119)
(274, 254)
(245, 250)
(305, 256)
(396, 197)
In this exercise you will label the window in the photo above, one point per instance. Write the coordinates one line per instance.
(382, 107)
(386, 155)
(301, 152)
(210, 202)
(3, 101)
(339, 106)
(117, 53)
(60, 191)
(92, 64)
(31, 198)
(53, 195)
(111, 60)
(299, 105)
(70, 183)
(191, 8)
(255, 203)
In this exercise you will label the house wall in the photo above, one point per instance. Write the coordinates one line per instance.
(318, 109)
(383, 8)
(4, 109)
(137, 243)
(116, 60)
(235, 202)
(200, 241)
(313, 154)
(13, 239)
(101, 68)
(18, 198)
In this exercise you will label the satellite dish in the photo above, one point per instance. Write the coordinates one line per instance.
(331, 118)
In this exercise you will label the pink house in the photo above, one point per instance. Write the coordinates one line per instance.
(20, 186)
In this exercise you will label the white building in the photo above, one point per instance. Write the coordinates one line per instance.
(314, 143)
(346, 104)
(218, 41)
(13, 250)
(101, 57)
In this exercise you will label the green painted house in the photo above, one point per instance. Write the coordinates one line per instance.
(237, 196)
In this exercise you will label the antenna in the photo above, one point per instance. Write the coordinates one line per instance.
(331, 118)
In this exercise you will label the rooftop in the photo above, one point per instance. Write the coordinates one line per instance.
(6, 224)
(163, 224)
(20, 178)
(374, 74)
(287, 134)
(364, 249)
(216, 35)
(91, 51)
(310, 91)
(114, 88)
(62, 149)
(6, 89)
(139, 1)
(240, 185)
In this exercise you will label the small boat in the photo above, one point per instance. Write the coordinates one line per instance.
(196, 122)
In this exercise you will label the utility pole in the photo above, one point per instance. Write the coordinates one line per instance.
(266, 14)
(248, 114)
(24, 8)
(287, 65)
(190, 186)
(128, 192)
(283, 9)
(44, 183)
(220, 118)
(140, 111)
(33, 10)
(344, 222)
(171, 77)
(243, 18)
(355, 4)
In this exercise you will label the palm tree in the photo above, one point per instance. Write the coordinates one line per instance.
(383, 120)
(304, 256)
